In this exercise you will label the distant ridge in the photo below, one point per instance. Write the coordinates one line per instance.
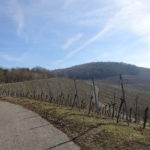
(101, 70)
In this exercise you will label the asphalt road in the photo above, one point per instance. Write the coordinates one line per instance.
(21, 129)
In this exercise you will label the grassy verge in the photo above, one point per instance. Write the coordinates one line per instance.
(96, 133)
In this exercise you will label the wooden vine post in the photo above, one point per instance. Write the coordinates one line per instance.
(76, 99)
(130, 115)
(136, 108)
(49, 94)
(145, 117)
(42, 93)
(113, 106)
(61, 95)
(109, 109)
(123, 101)
(96, 102)
(90, 106)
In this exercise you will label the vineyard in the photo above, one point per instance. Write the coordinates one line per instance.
(93, 97)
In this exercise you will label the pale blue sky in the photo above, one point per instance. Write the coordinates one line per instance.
(63, 33)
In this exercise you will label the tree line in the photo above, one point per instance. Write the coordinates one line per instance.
(23, 74)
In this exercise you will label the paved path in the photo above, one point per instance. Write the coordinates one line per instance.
(21, 129)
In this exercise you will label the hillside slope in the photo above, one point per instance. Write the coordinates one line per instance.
(101, 70)
(62, 91)
(96, 70)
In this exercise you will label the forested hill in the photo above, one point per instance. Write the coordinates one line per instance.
(96, 70)
(101, 70)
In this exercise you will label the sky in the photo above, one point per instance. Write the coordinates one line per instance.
(62, 33)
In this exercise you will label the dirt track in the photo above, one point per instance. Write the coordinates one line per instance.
(21, 129)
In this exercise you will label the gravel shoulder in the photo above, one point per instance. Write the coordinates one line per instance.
(22, 129)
